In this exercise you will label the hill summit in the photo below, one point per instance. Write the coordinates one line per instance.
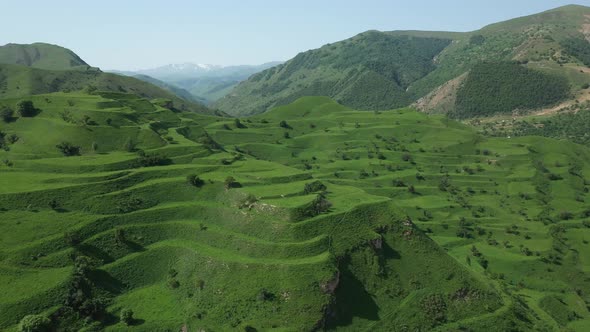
(42, 56)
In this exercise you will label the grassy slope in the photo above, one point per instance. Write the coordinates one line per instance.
(536, 39)
(379, 237)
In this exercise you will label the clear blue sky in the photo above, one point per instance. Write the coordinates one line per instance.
(133, 34)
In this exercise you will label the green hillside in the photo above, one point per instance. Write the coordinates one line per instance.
(312, 216)
(369, 71)
(385, 70)
(42, 56)
(18, 81)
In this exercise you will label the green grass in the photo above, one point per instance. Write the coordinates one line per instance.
(262, 254)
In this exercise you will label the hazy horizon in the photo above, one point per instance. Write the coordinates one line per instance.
(153, 34)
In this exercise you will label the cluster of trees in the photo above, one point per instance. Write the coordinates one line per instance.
(24, 108)
(571, 126)
(579, 48)
(502, 87)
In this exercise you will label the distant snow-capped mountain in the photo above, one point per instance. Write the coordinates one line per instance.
(204, 81)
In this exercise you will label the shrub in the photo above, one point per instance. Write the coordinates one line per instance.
(68, 149)
(435, 307)
(6, 113)
(34, 323)
(26, 109)
(284, 124)
(54, 204)
(313, 187)
(155, 159)
(127, 316)
(194, 180)
(398, 183)
(286, 135)
(72, 238)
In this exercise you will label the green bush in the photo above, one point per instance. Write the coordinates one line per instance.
(127, 316)
(313, 187)
(68, 149)
(194, 180)
(6, 113)
(34, 323)
(26, 108)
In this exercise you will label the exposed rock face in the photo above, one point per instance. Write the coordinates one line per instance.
(330, 286)
(376, 244)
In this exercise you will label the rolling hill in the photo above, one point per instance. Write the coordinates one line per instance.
(42, 56)
(312, 216)
(384, 70)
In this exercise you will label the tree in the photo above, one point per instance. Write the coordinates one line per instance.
(284, 124)
(68, 149)
(230, 182)
(26, 109)
(313, 187)
(94, 146)
(6, 113)
(127, 316)
(194, 180)
(34, 323)
(54, 204)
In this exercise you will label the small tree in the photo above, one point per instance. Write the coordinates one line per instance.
(194, 180)
(34, 323)
(68, 149)
(314, 187)
(127, 316)
(284, 124)
(25, 108)
(54, 204)
(130, 145)
(229, 181)
(286, 135)
(6, 113)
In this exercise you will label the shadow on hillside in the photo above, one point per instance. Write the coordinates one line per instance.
(95, 252)
(351, 300)
(105, 281)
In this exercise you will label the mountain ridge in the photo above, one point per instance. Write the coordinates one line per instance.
(540, 42)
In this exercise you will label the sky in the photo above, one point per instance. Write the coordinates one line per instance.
(139, 34)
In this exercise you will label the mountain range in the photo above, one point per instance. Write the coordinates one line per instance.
(432, 70)
(206, 83)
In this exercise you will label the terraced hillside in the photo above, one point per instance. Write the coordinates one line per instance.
(312, 216)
